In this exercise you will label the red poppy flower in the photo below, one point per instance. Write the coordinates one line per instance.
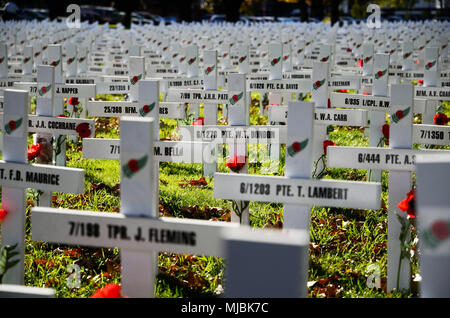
(199, 122)
(324, 59)
(429, 64)
(274, 61)
(135, 79)
(33, 151)
(209, 70)
(70, 60)
(296, 146)
(380, 73)
(385, 130)
(146, 109)
(318, 83)
(133, 165)
(440, 229)
(236, 163)
(440, 119)
(53, 63)
(367, 59)
(43, 89)
(3, 214)
(349, 50)
(81, 59)
(191, 61)
(399, 114)
(83, 130)
(327, 143)
(73, 101)
(408, 205)
(235, 98)
(12, 125)
(109, 291)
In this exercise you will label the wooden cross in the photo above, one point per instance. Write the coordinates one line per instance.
(17, 175)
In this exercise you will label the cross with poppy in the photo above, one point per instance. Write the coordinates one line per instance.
(296, 189)
(433, 224)
(398, 160)
(137, 231)
(19, 176)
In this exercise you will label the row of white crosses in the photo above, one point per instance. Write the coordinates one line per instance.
(140, 233)
(399, 160)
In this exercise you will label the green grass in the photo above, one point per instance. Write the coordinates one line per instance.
(344, 242)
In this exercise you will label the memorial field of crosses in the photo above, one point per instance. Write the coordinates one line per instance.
(229, 86)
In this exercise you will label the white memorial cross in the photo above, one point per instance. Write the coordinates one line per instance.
(433, 224)
(147, 106)
(136, 231)
(399, 159)
(297, 190)
(17, 175)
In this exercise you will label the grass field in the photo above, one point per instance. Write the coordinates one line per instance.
(344, 242)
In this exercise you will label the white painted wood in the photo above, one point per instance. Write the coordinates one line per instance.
(19, 291)
(432, 217)
(14, 199)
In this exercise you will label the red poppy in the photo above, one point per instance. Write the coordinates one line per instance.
(399, 114)
(81, 59)
(70, 60)
(236, 163)
(367, 59)
(408, 205)
(53, 63)
(385, 130)
(440, 119)
(43, 89)
(83, 130)
(199, 122)
(349, 50)
(324, 59)
(73, 101)
(327, 143)
(3, 214)
(146, 109)
(12, 125)
(296, 146)
(209, 70)
(285, 57)
(109, 291)
(429, 64)
(235, 98)
(318, 83)
(380, 73)
(406, 55)
(133, 165)
(33, 151)
(440, 229)
(135, 79)
(191, 61)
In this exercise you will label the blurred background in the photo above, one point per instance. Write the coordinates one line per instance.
(171, 11)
